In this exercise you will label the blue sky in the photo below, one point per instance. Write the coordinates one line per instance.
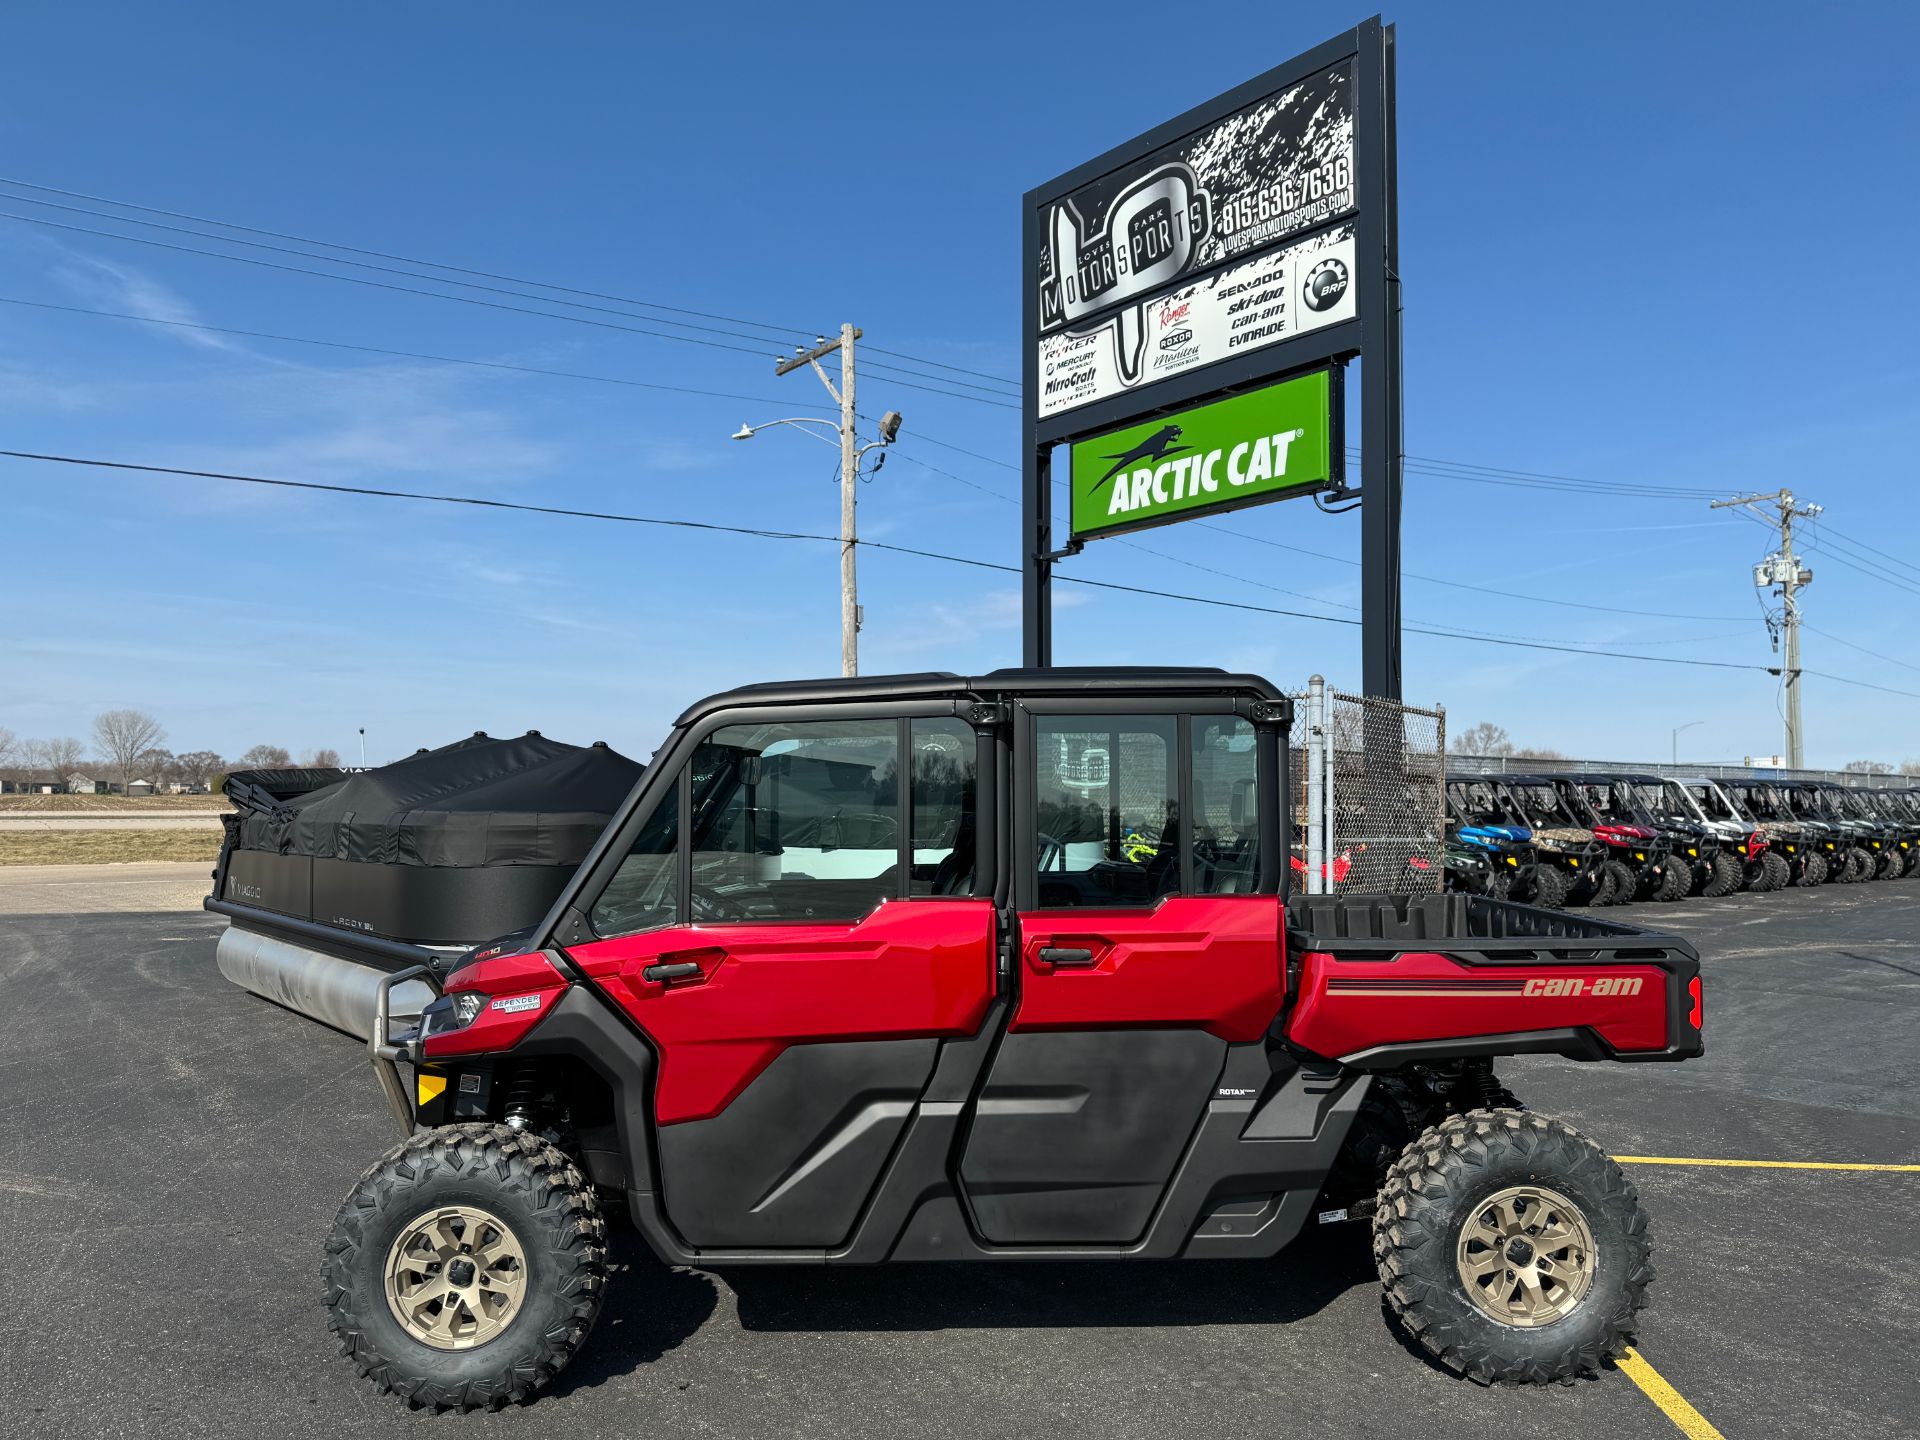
(1663, 246)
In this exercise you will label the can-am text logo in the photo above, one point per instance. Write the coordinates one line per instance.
(1326, 283)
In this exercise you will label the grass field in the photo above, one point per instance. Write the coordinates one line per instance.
(111, 804)
(106, 847)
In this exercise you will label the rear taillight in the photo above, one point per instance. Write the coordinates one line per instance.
(1693, 989)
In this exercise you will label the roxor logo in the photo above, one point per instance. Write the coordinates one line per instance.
(1176, 339)
(1621, 985)
(1326, 283)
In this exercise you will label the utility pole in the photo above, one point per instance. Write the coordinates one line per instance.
(849, 482)
(1782, 570)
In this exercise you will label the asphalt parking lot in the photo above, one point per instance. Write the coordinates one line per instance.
(175, 1150)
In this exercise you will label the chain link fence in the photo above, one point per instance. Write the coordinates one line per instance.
(1369, 787)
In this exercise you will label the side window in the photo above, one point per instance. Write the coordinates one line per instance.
(1225, 806)
(796, 820)
(942, 800)
(644, 893)
(1106, 808)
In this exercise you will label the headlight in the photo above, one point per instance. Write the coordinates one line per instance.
(451, 1012)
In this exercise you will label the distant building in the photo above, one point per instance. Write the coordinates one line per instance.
(78, 784)
(30, 787)
(141, 787)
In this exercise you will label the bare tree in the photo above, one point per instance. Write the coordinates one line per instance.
(9, 742)
(1486, 738)
(197, 767)
(1910, 767)
(1868, 767)
(322, 759)
(1535, 752)
(123, 736)
(265, 757)
(57, 758)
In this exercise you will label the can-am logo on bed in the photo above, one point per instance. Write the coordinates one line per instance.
(1113, 248)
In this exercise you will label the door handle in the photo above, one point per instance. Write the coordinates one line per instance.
(675, 970)
(1058, 955)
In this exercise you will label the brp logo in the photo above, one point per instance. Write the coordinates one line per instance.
(1326, 283)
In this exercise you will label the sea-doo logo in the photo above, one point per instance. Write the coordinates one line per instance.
(1326, 283)
(1176, 339)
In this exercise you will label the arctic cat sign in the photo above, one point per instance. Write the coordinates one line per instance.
(1249, 448)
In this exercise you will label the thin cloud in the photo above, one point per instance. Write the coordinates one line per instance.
(123, 288)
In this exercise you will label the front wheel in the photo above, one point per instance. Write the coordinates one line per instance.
(1892, 864)
(1512, 1248)
(1813, 869)
(1676, 879)
(1860, 866)
(1723, 876)
(466, 1268)
(1548, 886)
(1774, 873)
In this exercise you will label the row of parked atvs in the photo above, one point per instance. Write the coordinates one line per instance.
(1610, 839)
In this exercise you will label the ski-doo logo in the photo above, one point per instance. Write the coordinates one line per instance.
(1326, 283)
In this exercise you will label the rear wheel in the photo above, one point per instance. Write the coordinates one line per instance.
(1550, 886)
(1813, 869)
(466, 1268)
(1723, 876)
(1774, 873)
(1512, 1248)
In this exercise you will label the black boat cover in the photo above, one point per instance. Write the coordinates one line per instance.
(478, 802)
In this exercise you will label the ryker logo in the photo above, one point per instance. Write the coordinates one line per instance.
(1326, 283)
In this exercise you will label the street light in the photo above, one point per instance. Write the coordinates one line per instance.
(1676, 737)
(843, 440)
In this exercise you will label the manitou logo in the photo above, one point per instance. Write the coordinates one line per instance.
(1621, 985)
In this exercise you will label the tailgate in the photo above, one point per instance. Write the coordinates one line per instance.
(1377, 997)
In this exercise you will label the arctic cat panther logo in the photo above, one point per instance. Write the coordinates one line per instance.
(1326, 283)
(1606, 985)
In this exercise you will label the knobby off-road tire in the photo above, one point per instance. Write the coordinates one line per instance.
(1617, 884)
(1549, 886)
(1892, 864)
(1774, 874)
(1723, 876)
(1860, 866)
(460, 1210)
(1813, 870)
(1676, 879)
(1431, 1228)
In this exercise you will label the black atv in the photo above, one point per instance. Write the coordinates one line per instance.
(1902, 806)
(1900, 831)
(1862, 842)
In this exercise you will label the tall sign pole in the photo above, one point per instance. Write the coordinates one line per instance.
(1192, 299)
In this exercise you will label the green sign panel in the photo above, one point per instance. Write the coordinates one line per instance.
(1263, 445)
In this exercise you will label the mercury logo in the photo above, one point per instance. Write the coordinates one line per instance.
(1326, 283)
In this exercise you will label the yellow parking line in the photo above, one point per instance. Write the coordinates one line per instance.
(1672, 1403)
(1765, 1164)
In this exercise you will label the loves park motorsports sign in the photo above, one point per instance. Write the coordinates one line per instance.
(1247, 448)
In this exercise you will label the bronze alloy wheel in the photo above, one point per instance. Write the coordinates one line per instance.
(456, 1277)
(1526, 1256)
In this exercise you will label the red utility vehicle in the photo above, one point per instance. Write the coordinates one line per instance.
(1002, 968)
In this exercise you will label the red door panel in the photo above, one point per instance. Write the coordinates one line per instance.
(1208, 962)
(911, 968)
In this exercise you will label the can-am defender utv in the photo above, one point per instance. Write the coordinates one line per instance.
(866, 971)
(1862, 842)
(1490, 859)
(1568, 869)
(1740, 836)
(1539, 803)
(1891, 840)
(1645, 849)
(1899, 809)
(1695, 857)
(1810, 847)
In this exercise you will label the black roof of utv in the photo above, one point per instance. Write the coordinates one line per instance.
(1055, 680)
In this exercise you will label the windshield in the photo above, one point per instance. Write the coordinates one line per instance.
(1853, 803)
(1646, 796)
(1543, 802)
(1811, 800)
(1762, 801)
(1711, 802)
(1732, 804)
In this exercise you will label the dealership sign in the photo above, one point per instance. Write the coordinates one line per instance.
(1261, 445)
(1180, 258)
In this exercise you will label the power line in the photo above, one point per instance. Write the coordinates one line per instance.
(732, 333)
(1822, 528)
(771, 534)
(1842, 640)
(405, 354)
